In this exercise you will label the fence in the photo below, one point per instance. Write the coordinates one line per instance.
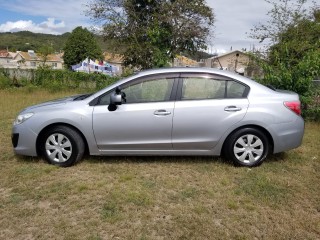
(18, 74)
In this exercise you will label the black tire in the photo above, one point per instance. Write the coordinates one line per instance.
(246, 147)
(62, 146)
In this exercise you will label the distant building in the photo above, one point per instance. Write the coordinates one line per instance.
(5, 58)
(236, 61)
(29, 60)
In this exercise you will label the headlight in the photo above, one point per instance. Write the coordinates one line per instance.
(22, 117)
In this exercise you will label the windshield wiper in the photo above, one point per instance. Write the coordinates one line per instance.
(81, 97)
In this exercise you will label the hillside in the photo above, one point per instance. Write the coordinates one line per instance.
(26, 40)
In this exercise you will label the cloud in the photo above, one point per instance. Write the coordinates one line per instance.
(49, 26)
(234, 19)
(67, 14)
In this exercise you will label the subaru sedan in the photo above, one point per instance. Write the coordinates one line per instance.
(175, 111)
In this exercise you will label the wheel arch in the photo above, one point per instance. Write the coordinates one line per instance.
(60, 124)
(262, 129)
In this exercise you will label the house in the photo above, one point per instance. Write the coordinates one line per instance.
(236, 61)
(31, 60)
(55, 60)
(5, 58)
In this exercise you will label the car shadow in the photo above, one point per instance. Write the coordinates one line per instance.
(28, 159)
(155, 159)
(134, 159)
(277, 157)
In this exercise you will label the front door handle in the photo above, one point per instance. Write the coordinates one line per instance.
(232, 109)
(161, 112)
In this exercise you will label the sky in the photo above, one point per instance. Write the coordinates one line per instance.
(234, 19)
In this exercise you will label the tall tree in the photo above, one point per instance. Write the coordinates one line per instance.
(283, 14)
(44, 51)
(297, 40)
(152, 32)
(293, 59)
(81, 44)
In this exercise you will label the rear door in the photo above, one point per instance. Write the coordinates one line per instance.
(206, 106)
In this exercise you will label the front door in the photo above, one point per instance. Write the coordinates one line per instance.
(142, 123)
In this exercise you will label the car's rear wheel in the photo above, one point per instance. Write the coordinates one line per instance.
(62, 146)
(247, 147)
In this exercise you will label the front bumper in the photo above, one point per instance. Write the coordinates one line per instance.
(15, 139)
(24, 140)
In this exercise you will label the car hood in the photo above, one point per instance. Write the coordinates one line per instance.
(56, 102)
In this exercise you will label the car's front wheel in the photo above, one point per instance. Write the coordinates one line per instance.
(247, 147)
(62, 146)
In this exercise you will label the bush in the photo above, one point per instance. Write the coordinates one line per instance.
(4, 82)
(282, 75)
(312, 110)
(56, 80)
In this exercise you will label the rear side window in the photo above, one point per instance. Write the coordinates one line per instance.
(202, 88)
(235, 90)
(197, 88)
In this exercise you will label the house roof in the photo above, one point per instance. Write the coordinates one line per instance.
(54, 58)
(26, 56)
(229, 53)
(4, 54)
(32, 56)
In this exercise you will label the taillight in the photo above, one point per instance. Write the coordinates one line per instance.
(294, 106)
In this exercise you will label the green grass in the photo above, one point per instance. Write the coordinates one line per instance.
(155, 197)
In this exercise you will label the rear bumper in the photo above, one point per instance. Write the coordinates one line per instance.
(288, 135)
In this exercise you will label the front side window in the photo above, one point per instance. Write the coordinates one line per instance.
(155, 90)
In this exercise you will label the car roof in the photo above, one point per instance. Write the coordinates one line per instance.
(186, 70)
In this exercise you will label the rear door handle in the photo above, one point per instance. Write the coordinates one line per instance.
(161, 112)
(232, 109)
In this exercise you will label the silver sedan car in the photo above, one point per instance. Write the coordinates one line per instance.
(175, 111)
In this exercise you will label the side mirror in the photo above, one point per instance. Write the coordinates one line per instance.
(115, 99)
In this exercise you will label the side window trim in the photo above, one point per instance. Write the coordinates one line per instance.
(174, 91)
(179, 90)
